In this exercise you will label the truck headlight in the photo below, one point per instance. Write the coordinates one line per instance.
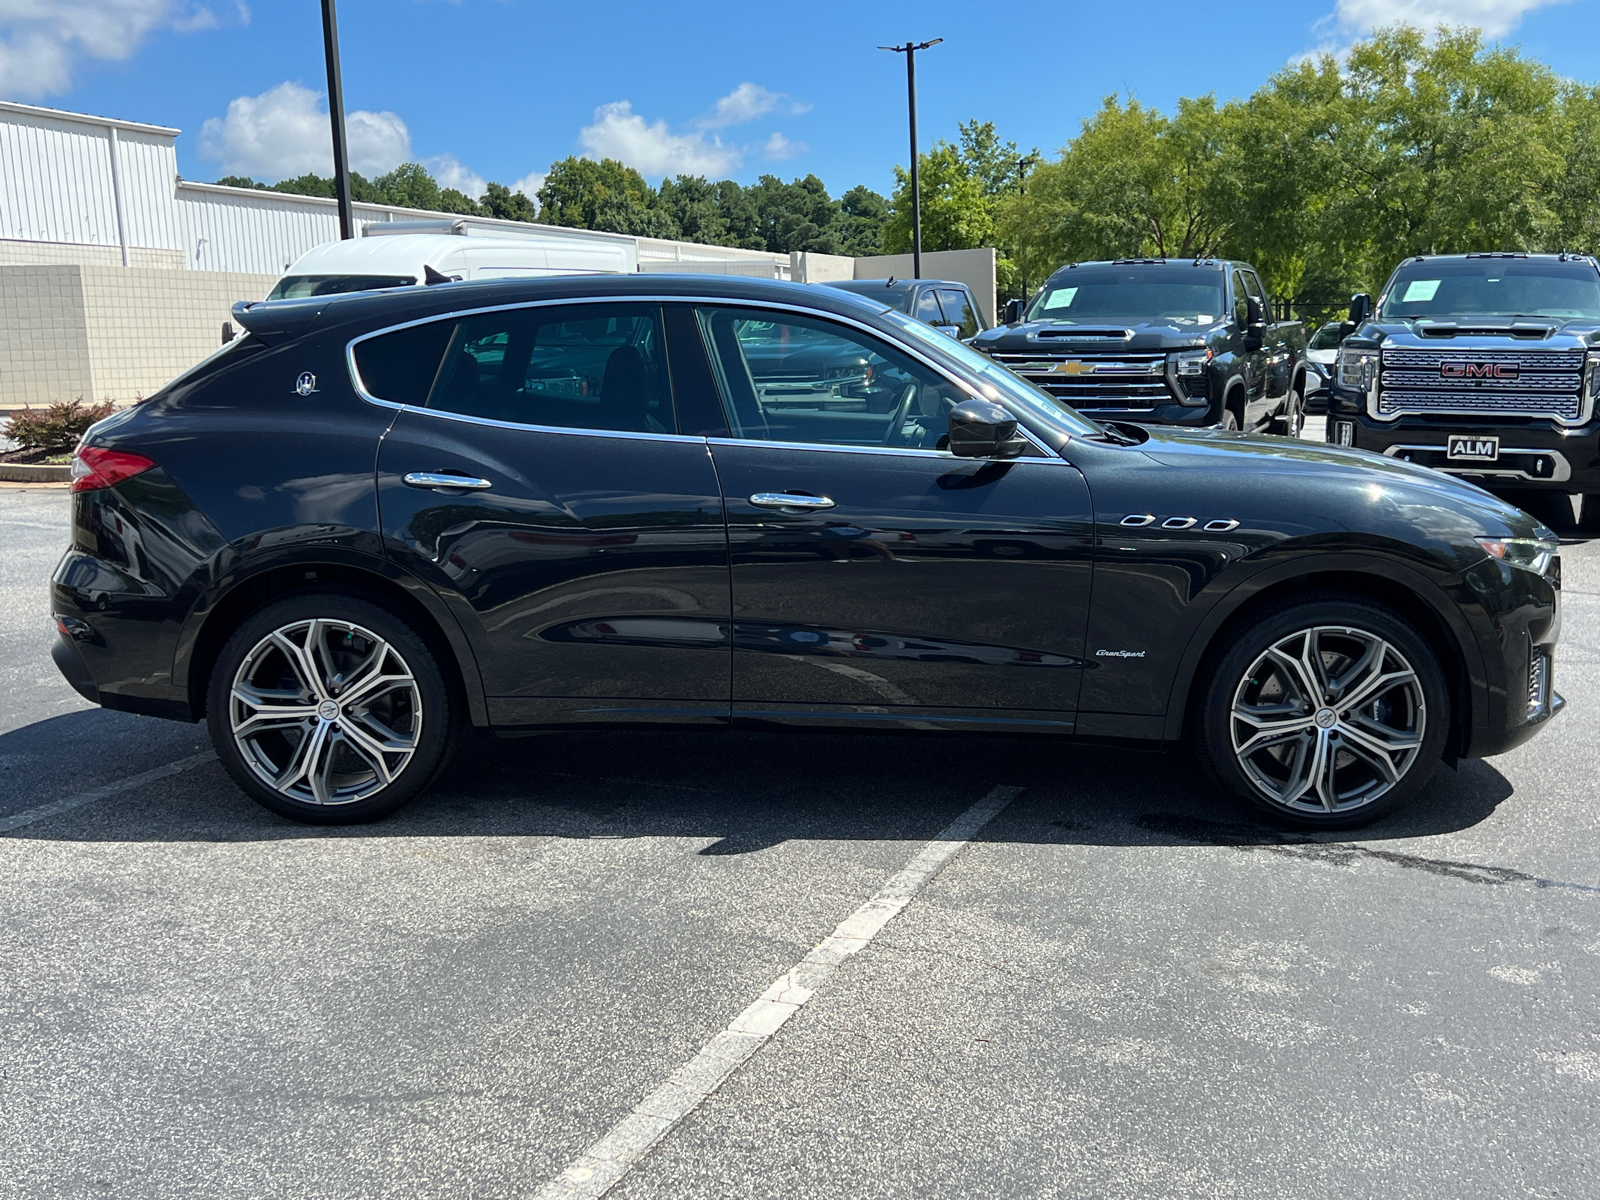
(1358, 369)
(1591, 376)
(1191, 362)
(1531, 553)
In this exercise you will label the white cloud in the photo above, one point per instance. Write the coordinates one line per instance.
(450, 173)
(745, 103)
(779, 147)
(41, 41)
(1495, 17)
(284, 132)
(620, 133)
(530, 184)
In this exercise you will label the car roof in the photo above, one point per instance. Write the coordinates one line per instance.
(274, 320)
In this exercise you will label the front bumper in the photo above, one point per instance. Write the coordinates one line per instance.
(1532, 453)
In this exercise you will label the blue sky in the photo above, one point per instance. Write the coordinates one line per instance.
(499, 89)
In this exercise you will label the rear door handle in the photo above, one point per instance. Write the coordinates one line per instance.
(789, 500)
(443, 481)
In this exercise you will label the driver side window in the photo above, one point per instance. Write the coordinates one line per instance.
(791, 378)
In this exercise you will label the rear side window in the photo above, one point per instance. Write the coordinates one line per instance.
(928, 309)
(400, 366)
(590, 366)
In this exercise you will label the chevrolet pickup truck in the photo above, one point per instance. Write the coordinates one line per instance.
(1160, 342)
(1483, 366)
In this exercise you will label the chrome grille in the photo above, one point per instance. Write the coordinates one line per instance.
(1460, 380)
(1133, 379)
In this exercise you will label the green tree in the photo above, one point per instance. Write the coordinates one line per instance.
(577, 188)
(500, 201)
(692, 204)
(453, 201)
(409, 186)
(862, 216)
(956, 215)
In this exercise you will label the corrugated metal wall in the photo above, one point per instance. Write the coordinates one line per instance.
(55, 181)
(149, 165)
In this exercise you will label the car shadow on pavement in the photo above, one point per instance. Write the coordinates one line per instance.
(736, 792)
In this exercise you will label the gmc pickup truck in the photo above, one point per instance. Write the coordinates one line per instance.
(1158, 342)
(1484, 366)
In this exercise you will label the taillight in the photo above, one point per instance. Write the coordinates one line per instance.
(94, 467)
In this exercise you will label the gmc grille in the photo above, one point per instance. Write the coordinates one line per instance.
(1519, 382)
(1134, 379)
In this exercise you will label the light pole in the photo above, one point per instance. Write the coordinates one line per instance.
(1023, 163)
(910, 51)
(341, 153)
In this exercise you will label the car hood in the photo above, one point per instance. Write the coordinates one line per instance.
(1309, 487)
(1109, 337)
(1483, 333)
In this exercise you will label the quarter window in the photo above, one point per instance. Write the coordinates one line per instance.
(791, 378)
(400, 366)
(1241, 308)
(928, 309)
(592, 366)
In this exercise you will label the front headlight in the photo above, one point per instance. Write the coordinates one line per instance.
(1358, 368)
(1191, 362)
(1591, 375)
(1530, 553)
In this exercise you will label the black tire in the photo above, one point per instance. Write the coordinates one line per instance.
(383, 739)
(1589, 514)
(1552, 507)
(1243, 671)
(1230, 419)
(1292, 420)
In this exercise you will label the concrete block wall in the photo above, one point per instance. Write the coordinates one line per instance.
(19, 253)
(44, 347)
(147, 326)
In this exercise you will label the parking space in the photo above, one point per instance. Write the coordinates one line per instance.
(1123, 984)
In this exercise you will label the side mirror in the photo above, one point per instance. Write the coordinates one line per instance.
(981, 429)
(1360, 308)
(1013, 312)
(952, 330)
(1253, 307)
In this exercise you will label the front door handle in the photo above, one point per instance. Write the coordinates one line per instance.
(444, 481)
(789, 500)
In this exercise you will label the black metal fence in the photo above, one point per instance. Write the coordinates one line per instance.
(1313, 310)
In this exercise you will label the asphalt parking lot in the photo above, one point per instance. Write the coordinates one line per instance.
(1120, 985)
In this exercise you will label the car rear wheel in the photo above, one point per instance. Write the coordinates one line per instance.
(1325, 712)
(328, 709)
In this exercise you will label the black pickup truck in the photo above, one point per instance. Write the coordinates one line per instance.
(1187, 342)
(1486, 366)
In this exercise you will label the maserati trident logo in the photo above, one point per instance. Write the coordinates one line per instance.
(1458, 369)
(306, 384)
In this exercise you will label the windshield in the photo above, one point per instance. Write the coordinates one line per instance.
(1095, 295)
(1327, 338)
(1439, 289)
(294, 287)
(994, 381)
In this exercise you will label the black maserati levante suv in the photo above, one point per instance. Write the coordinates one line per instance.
(376, 520)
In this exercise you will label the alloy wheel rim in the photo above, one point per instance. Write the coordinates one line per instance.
(1328, 719)
(325, 712)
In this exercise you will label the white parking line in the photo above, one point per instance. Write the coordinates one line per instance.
(604, 1164)
(28, 817)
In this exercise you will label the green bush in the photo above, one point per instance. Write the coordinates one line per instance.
(58, 427)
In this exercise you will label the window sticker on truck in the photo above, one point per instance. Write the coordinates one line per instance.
(1420, 289)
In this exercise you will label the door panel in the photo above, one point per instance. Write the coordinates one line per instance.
(932, 584)
(594, 566)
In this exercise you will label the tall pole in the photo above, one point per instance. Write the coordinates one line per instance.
(341, 153)
(1022, 190)
(910, 51)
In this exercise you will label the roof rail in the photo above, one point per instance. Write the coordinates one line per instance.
(1499, 254)
(1122, 262)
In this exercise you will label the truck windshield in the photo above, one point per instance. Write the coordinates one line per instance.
(1492, 287)
(295, 287)
(1095, 295)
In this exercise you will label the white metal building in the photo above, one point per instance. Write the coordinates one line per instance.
(116, 275)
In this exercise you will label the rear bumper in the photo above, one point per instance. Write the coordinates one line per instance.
(73, 669)
(1533, 454)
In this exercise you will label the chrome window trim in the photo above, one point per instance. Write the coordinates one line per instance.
(575, 430)
(1561, 474)
(908, 349)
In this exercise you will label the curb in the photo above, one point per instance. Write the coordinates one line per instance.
(34, 473)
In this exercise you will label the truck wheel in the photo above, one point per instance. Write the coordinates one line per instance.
(1325, 712)
(328, 709)
(1292, 420)
(1229, 420)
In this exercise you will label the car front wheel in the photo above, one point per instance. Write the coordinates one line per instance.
(1326, 712)
(328, 709)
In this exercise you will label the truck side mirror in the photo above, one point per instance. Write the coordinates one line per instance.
(1013, 312)
(981, 429)
(1360, 308)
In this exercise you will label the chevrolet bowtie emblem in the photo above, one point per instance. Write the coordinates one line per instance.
(1072, 367)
